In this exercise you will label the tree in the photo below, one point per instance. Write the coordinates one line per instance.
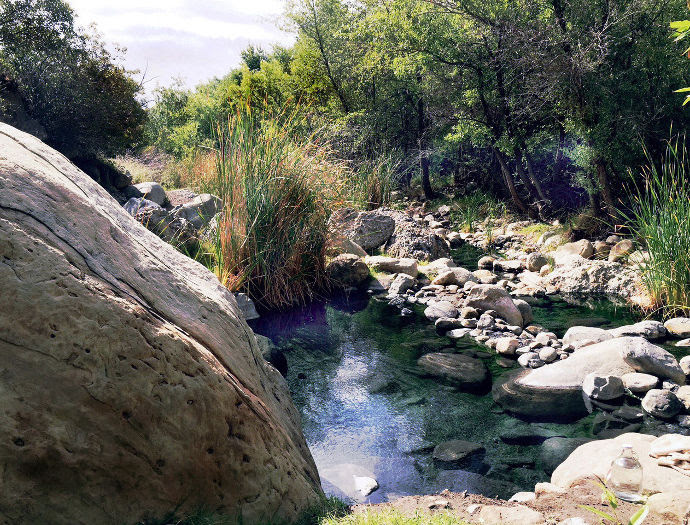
(68, 81)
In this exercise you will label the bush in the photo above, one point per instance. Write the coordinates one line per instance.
(278, 191)
(660, 218)
(68, 81)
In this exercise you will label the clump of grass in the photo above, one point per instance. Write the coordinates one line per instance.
(660, 219)
(372, 182)
(469, 209)
(392, 517)
(278, 191)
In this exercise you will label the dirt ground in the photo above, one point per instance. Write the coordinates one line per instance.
(554, 507)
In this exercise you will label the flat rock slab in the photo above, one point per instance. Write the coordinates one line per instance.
(593, 460)
(553, 392)
(461, 371)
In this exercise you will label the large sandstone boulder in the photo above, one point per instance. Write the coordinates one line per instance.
(492, 297)
(554, 391)
(131, 385)
(594, 459)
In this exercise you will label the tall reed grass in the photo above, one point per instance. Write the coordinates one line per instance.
(278, 190)
(660, 219)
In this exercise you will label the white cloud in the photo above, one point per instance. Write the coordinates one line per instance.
(192, 39)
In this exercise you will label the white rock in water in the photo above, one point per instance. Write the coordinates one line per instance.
(365, 485)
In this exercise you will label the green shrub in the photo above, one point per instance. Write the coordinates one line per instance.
(278, 191)
(660, 218)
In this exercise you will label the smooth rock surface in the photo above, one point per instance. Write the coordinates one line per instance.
(152, 191)
(639, 383)
(576, 335)
(678, 326)
(439, 310)
(645, 357)
(661, 403)
(594, 459)
(132, 385)
(603, 387)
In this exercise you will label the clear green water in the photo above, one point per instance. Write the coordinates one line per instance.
(353, 376)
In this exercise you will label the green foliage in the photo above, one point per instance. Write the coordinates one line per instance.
(478, 206)
(67, 80)
(392, 517)
(660, 218)
(681, 29)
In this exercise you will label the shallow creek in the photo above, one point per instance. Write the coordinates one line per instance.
(366, 408)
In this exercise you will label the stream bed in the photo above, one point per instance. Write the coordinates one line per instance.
(368, 411)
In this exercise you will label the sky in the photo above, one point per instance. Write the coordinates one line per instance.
(193, 40)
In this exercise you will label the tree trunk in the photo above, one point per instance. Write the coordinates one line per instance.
(534, 179)
(426, 183)
(508, 178)
(423, 155)
(604, 186)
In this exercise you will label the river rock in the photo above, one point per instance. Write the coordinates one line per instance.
(678, 327)
(453, 453)
(381, 263)
(639, 383)
(349, 271)
(650, 330)
(401, 284)
(645, 357)
(486, 263)
(137, 204)
(661, 403)
(621, 250)
(447, 323)
(369, 229)
(485, 276)
(603, 387)
(507, 345)
(525, 311)
(410, 240)
(200, 210)
(439, 265)
(594, 459)
(152, 191)
(554, 391)
(672, 506)
(246, 306)
(459, 370)
(535, 262)
(132, 386)
(582, 248)
(493, 297)
(579, 335)
(548, 354)
(456, 276)
(685, 365)
(580, 276)
(601, 250)
(440, 309)
(174, 230)
(683, 395)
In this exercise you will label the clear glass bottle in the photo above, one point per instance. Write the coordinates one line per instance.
(625, 476)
